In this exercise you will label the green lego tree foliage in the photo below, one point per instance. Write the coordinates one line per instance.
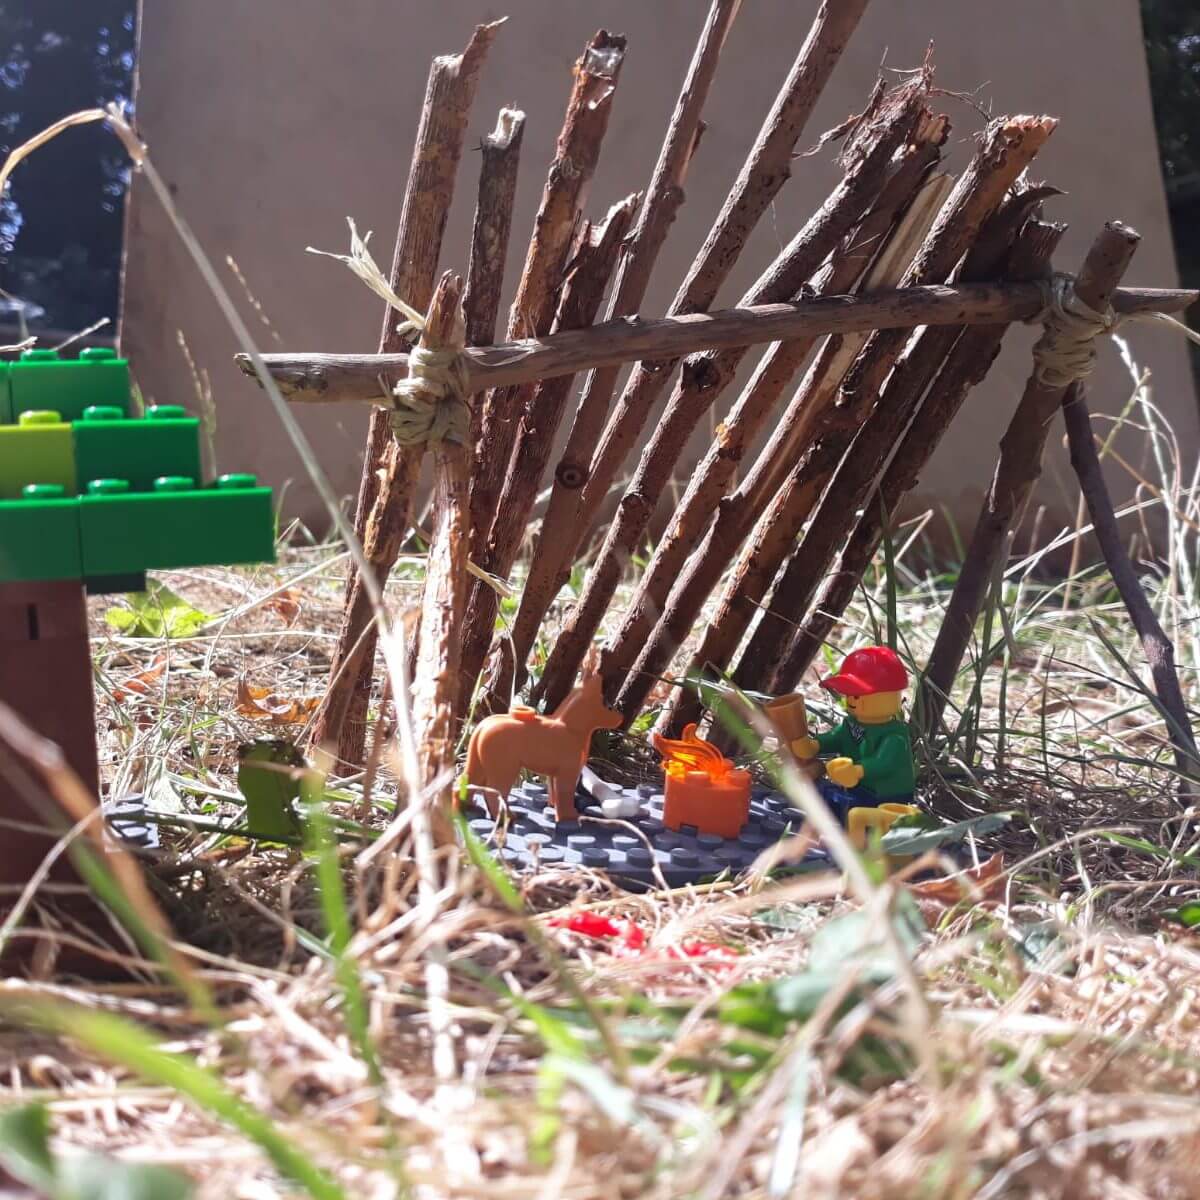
(89, 492)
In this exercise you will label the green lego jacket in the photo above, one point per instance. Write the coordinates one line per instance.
(883, 751)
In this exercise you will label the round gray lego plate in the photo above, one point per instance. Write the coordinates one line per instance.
(533, 839)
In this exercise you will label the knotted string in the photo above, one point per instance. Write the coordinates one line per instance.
(431, 404)
(1066, 351)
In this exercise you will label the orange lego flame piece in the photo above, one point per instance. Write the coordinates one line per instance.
(691, 753)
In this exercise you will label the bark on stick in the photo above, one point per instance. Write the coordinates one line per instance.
(590, 271)
(556, 227)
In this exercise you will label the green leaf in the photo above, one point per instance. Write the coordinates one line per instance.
(99, 1177)
(916, 838)
(25, 1146)
(123, 1042)
(157, 613)
(1187, 914)
(25, 1153)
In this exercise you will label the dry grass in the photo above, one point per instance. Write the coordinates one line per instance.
(1055, 1053)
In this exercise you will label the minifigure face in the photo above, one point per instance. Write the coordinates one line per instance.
(874, 709)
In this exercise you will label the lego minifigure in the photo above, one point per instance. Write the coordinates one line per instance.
(872, 752)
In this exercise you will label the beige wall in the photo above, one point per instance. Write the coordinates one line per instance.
(275, 119)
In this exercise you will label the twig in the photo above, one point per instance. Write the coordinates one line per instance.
(362, 378)
(964, 369)
(555, 231)
(1158, 648)
(586, 471)
(704, 377)
(501, 155)
(582, 292)
(390, 471)
(673, 587)
(444, 597)
(1017, 470)
(811, 558)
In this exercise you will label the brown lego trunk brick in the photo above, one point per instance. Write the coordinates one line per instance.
(46, 677)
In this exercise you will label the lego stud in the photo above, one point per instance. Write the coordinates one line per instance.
(40, 416)
(174, 483)
(43, 491)
(165, 412)
(40, 355)
(103, 412)
(107, 487)
(232, 483)
(95, 354)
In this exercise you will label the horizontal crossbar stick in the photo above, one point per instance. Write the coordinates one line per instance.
(370, 377)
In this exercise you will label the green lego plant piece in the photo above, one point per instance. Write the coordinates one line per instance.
(40, 379)
(163, 442)
(39, 536)
(38, 449)
(227, 524)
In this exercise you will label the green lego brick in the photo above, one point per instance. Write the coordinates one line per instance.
(39, 537)
(6, 412)
(227, 524)
(37, 449)
(108, 585)
(163, 442)
(40, 379)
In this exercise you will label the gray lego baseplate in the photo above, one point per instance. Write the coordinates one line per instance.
(629, 849)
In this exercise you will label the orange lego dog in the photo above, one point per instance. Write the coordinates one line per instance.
(555, 746)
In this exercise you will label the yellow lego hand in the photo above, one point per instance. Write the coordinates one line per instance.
(805, 748)
(845, 772)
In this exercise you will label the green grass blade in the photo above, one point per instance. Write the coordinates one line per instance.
(121, 1041)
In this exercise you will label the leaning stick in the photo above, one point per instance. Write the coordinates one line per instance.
(1007, 148)
(389, 472)
(582, 293)
(766, 169)
(583, 485)
(673, 587)
(809, 561)
(360, 378)
(555, 229)
(444, 597)
(1017, 470)
(964, 369)
(558, 537)
(501, 157)
(704, 377)
(1159, 651)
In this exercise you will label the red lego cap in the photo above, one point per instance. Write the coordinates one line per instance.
(867, 671)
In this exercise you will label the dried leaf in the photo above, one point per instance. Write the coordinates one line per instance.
(262, 704)
(286, 605)
(976, 884)
(143, 683)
